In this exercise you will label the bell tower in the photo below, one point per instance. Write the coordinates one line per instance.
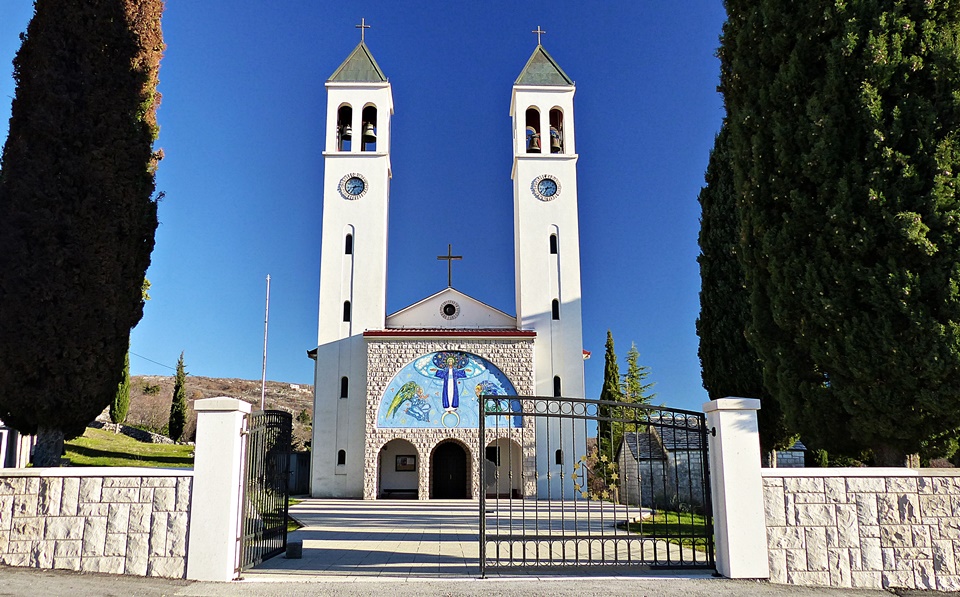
(547, 249)
(353, 265)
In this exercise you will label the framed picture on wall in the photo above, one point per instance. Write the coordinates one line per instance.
(407, 463)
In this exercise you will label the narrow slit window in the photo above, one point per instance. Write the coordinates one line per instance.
(346, 310)
(344, 387)
(558, 457)
(556, 386)
(341, 457)
(348, 245)
(555, 309)
(553, 244)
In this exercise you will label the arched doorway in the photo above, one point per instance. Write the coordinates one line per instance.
(448, 471)
(504, 457)
(397, 467)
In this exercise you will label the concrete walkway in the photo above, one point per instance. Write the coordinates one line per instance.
(440, 539)
(399, 549)
(383, 538)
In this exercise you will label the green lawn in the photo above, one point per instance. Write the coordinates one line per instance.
(680, 528)
(104, 448)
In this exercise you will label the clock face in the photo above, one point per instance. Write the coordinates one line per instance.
(353, 186)
(545, 187)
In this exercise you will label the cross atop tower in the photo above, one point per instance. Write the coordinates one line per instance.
(363, 25)
(539, 32)
(449, 258)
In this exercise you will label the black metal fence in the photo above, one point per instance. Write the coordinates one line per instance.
(602, 483)
(265, 487)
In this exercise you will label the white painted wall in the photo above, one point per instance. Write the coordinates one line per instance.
(360, 278)
(542, 277)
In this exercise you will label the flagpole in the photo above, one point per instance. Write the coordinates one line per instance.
(266, 323)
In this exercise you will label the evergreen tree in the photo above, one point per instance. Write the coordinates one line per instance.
(633, 389)
(729, 365)
(845, 143)
(121, 400)
(77, 214)
(610, 392)
(178, 407)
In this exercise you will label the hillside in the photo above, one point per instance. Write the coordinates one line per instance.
(150, 397)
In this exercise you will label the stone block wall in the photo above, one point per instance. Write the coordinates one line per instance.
(869, 528)
(116, 520)
(387, 356)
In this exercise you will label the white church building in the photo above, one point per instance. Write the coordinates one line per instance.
(396, 410)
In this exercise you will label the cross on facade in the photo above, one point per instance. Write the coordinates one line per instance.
(539, 32)
(449, 258)
(363, 25)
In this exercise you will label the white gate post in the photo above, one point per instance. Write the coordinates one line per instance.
(740, 531)
(214, 506)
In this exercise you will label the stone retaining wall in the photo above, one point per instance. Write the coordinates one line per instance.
(138, 434)
(113, 520)
(869, 528)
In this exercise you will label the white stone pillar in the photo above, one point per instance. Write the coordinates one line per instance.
(739, 527)
(214, 507)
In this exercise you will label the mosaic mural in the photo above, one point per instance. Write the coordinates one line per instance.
(440, 389)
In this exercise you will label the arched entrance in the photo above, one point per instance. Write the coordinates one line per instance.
(448, 471)
(397, 467)
(503, 456)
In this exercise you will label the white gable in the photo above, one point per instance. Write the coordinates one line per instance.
(450, 309)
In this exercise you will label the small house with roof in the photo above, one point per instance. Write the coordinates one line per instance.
(661, 464)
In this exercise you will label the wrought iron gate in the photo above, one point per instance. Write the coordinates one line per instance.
(574, 482)
(265, 486)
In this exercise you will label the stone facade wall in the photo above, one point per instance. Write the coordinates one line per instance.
(118, 521)
(386, 357)
(790, 459)
(878, 528)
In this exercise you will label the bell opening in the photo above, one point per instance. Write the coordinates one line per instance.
(344, 130)
(369, 138)
(556, 131)
(533, 130)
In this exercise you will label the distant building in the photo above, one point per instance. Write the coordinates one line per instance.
(661, 466)
(792, 457)
(16, 449)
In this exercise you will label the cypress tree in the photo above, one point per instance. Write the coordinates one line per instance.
(121, 400)
(178, 406)
(77, 214)
(729, 365)
(606, 429)
(845, 139)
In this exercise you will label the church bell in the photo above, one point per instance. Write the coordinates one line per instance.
(346, 132)
(533, 140)
(369, 134)
(555, 145)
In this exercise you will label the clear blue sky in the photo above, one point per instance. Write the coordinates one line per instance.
(242, 128)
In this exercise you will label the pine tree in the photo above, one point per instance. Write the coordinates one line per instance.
(633, 389)
(845, 143)
(729, 365)
(77, 214)
(178, 407)
(121, 400)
